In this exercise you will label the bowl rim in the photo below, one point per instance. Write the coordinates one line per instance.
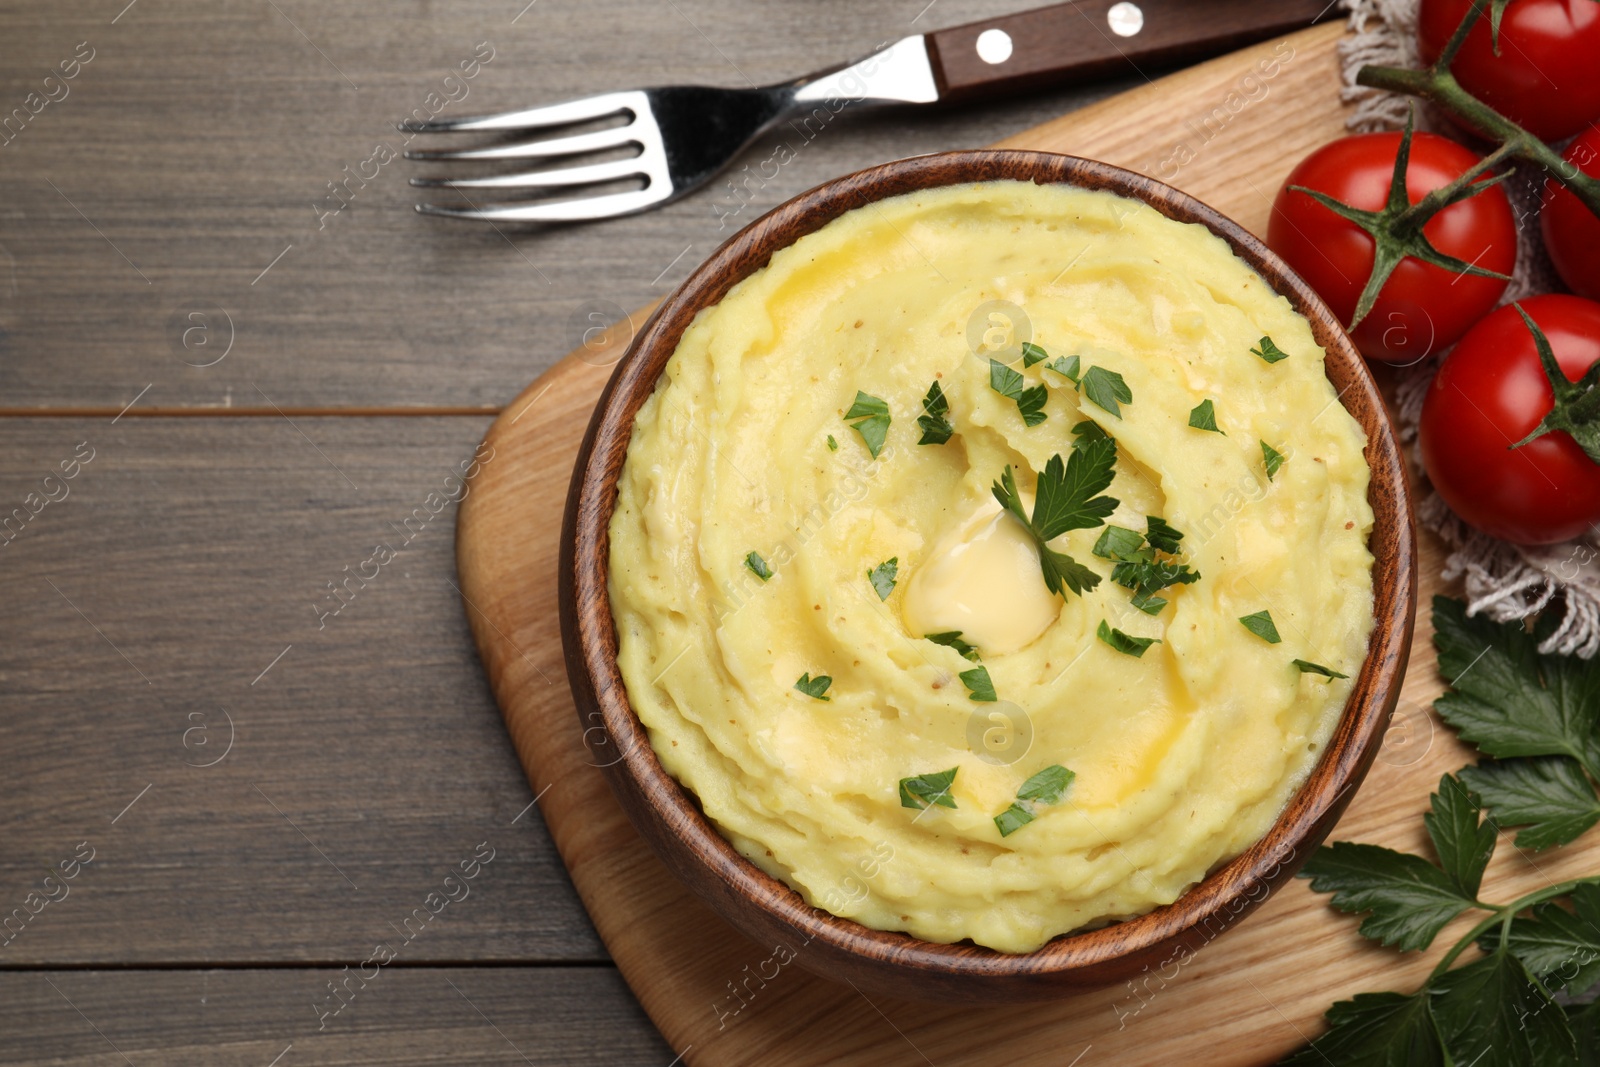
(618, 739)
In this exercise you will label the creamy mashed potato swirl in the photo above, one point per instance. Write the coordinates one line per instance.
(1182, 757)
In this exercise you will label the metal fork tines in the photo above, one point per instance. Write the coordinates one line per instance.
(641, 130)
(684, 135)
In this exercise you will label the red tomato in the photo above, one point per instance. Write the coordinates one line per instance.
(1571, 232)
(1490, 392)
(1544, 78)
(1422, 308)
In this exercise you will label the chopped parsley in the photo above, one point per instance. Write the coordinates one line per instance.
(935, 423)
(1162, 536)
(1137, 566)
(1065, 499)
(1085, 432)
(952, 639)
(1307, 667)
(1204, 417)
(1032, 354)
(883, 575)
(1043, 788)
(1262, 626)
(925, 789)
(1067, 367)
(758, 566)
(1124, 643)
(869, 417)
(1271, 458)
(833, 446)
(979, 687)
(1009, 383)
(814, 687)
(1269, 351)
(1105, 388)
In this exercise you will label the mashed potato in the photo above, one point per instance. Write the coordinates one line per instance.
(743, 462)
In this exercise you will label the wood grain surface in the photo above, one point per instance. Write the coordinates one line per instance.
(1248, 997)
(185, 171)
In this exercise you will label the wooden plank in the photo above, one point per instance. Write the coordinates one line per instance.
(1243, 999)
(399, 1016)
(197, 146)
(182, 562)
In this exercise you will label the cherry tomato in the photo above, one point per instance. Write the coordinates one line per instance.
(1422, 308)
(1571, 232)
(1544, 78)
(1491, 392)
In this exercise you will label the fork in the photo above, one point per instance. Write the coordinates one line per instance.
(685, 134)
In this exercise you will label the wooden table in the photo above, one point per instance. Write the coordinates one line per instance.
(253, 390)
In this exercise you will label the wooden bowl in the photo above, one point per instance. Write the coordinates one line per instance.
(771, 913)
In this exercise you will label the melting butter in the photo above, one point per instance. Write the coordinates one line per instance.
(983, 579)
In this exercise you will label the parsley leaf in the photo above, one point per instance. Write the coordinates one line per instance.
(1004, 380)
(1376, 1029)
(1065, 499)
(883, 575)
(1269, 351)
(1410, 899)
(1067, 367)
(1462, 841)
(1045, 787)
(869, 416)
(1124, 643)
(1032, 353)
(1122, 545)
(758, 566)
(1162, 536)
(1307, 667)
(1547, 795)
(814, 687)
(833, 446)
(1559, 947)
(1031, 405)
(1147, 579)
(1493, 1006)
(1065, 495)
(1008, 383)
(1105, 388)
(1204, 417)
(1271, 458)
(952, 639)
(1508, 698)
(979, 686)
(1086, 433)
(925, 789)
(1262, 626)
(936, 427)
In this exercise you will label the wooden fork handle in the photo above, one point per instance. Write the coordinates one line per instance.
(1100, 38)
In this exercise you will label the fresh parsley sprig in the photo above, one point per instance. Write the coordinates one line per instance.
(1534, 716)
(1066, 497)
(953, 639)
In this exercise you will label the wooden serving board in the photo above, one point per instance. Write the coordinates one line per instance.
(1227, 132)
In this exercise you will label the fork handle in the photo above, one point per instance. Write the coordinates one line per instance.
(1096, 38)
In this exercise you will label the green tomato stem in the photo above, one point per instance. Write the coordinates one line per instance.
(1440, 86)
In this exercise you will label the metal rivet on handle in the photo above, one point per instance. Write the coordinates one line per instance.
(994, 46)
(1126, 19)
